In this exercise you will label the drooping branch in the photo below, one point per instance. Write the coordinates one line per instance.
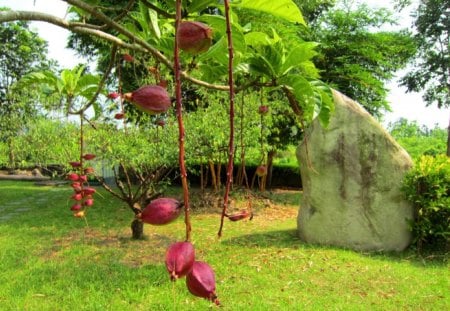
(231, 112)
(88, 29)
(157, 10)
(181, 131)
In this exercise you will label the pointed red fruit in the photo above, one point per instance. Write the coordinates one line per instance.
(76, 207)
(77, 196)
(240, 215)
(73, 177)
(113, 95)
(261, 170)
(128, 57)
(152, 99)
(119, 116)
(75, 164)
(88, 191)
(161, 211)
(201, 281)
(88, 202)
(89, 156)
(180, 258)
(263, 110)
(194, 37)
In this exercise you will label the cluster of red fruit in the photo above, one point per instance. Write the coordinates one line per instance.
(192, 37)
(180, 256)
(82, 192)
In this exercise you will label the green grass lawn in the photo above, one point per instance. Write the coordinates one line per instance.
(50, 260)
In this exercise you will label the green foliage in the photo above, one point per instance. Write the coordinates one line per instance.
(47, 141)
(355, 58)
(418, 140)
(71, 90)
(285, 9)
(427, 186)
(431, 70)
(22, 51)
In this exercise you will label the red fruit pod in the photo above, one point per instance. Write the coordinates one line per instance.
(88, 191)
(127, 57)
(201, 281)
(113, 95)
(89, 156)
(76, 207)
(261, 170)
(88, 202)
(119, 116)
(75, 164)
(161, 211)
(263, 110)
(152, 99)
(77, 196)
(73, 177)
(82, 178)
(180, 257)
(240, 215)
(161, 123)
(194, 37)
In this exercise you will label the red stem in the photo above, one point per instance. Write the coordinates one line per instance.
(81, 142)
(181, 132)
(231, 141)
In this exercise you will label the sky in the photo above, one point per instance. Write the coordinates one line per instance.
(406, 105)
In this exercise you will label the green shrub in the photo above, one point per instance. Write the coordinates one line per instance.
(427, 186)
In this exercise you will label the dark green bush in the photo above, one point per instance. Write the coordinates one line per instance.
(427, 186)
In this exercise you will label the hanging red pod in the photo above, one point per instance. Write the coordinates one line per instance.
(261, 170)
(161, 211)
(75, 164)
(201, 281)
(263, 110)
(194, 37)
(180, 257)
(240, 215)
(73, 177)
(152, 99)
(89, 156)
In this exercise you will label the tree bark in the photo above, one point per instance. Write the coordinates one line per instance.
(270, 156)
(137, 229)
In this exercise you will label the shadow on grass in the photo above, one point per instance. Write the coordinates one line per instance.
(290, 239)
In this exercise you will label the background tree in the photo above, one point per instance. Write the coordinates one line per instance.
(431, 68)
(418, 140)
(22, 52)
(355, 58)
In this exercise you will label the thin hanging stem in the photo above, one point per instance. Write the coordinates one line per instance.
(81, 142)
(181, 132)
(231, 141)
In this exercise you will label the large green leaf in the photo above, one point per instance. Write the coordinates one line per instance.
(298, 54)
(200, 5)
(285, 9)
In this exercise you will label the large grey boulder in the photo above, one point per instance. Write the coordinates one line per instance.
(351, 174)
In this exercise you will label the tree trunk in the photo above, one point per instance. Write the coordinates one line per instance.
(213, 175)
(137, 229)
(270, 156)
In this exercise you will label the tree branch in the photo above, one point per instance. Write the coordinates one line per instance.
(140, 45)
